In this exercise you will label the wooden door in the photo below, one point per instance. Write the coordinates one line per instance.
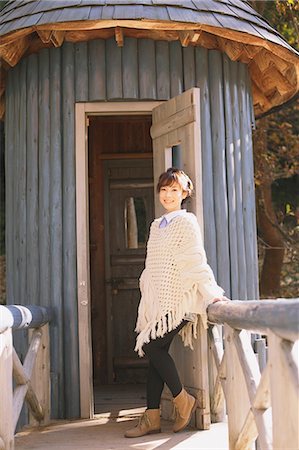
(176, 142)
(129, 210)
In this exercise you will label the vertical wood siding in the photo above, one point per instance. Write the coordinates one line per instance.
(202, 81)
(56, 264)
(69, 272)
(219, 167)
(231, 187)
(40, 166)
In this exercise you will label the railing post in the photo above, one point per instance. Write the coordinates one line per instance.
(40, 380)
(284, 386)
(6, 392)
(237, 400)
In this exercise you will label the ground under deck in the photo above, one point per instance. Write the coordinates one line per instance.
(117, 408)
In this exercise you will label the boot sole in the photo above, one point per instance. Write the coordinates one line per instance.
(188, 421)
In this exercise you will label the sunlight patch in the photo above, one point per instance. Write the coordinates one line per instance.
(151, 445)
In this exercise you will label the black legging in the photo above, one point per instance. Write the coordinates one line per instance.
(162, 368)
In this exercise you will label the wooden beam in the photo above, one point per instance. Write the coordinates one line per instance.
(178, 120)
(252, 50)
(273, 79)
(185, 37)
(119, 36)
(196, 36)
(188, 36)
(234, 50)
(284, 392)
(57, 38)
(265, 60)
(45, 35)
(259, 315)
(38, 395)
(248, 433)
(54, 37)
(6, 407)
(252, 378)
(12, 53)
(262, 398)
(259, 99)
(208, 41)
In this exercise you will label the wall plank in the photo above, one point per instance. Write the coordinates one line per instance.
(248, 202)
(202, 71)
(56, 275)
(147, 69)
(81, 74)
(189, 67)
(9, 189)
(44, 176)
(176, 69)
(130, 68)
(113, 70)
(71, 368)
(250, 124)
(32, 181)
(22, 184)
(219, 171)
(16, 190)
(242, 291)
(230, 172)
(97, 70)
(162, 70)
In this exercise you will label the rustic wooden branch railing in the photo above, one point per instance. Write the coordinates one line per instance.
(262, 406)
(32, 378)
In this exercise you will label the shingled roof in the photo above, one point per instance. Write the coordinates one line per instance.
(230, 26)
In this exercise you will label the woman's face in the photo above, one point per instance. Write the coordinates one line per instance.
(171, 197)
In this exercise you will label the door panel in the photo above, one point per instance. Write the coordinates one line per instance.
(176, 142)
(129, 210)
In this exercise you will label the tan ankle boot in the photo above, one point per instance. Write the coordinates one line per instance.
(148, 423)
(185, 405)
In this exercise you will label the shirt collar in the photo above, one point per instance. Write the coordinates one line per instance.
(171, 215)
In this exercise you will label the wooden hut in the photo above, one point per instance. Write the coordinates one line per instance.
(98, 98)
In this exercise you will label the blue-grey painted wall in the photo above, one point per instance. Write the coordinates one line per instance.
(40, 172)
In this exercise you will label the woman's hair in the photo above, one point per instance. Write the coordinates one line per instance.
(173, 175)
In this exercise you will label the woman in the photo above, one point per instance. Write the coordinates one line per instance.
(176, 286)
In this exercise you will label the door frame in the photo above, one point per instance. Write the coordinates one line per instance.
(82, 111)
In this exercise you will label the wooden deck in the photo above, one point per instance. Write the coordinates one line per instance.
(116, 408)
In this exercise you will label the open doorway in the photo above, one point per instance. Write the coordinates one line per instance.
(121, 208)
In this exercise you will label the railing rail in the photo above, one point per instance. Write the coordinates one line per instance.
(262, 406)
(32, 378)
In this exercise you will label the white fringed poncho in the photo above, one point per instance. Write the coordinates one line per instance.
(176, 281)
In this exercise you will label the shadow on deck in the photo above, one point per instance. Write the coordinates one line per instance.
(117, 408)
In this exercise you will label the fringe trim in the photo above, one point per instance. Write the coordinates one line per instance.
(167, 323)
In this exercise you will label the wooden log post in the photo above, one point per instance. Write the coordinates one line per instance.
(22, 375)
(40, 380)
(216, 374)
(237, 400)
(284, 386)
(6, 393)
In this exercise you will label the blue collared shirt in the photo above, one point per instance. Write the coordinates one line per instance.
(167, 218)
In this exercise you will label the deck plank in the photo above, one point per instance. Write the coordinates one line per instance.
(117, 409)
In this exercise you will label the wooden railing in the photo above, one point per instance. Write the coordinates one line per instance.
(32, 378)
(262, 406)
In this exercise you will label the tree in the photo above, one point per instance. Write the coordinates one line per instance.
(276, 150)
